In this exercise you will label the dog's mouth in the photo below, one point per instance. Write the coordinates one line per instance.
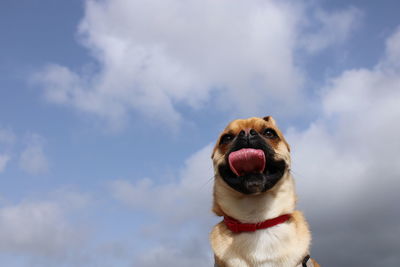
(251, 170)
(247, 160)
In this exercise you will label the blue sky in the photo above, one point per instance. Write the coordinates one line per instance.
(109, 109)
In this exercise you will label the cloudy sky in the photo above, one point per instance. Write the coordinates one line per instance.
(109, 110)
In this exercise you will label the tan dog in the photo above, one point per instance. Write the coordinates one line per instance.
(254, 191)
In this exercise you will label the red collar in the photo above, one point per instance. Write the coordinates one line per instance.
(238, 227)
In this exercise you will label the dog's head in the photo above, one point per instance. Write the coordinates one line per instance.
(251, 155)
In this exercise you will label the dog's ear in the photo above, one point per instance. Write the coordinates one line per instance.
(269, 119)
(272, 121)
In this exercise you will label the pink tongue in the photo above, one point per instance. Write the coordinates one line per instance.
(247, 160)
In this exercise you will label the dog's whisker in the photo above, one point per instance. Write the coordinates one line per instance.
(207, 182)
(296, 173)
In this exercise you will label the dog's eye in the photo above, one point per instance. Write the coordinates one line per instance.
(270, 133)
(226, 138)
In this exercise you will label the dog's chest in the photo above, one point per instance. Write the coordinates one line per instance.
(277, 246)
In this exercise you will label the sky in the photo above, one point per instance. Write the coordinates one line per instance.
(109, 111)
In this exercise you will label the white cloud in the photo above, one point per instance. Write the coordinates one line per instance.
(3, 161)
(356, 132)
(7, 136)
(54, 230)
(331, 28)
(59, 229)
(392, 55)
(191, 253)
(182, 206)
(32, 158)
(42, 232)
(37, 228)
(7, 139)
(156, 56)
(347, 163)
(187, 196)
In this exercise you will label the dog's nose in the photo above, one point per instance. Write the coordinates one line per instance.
(247, 132)
(252, 132)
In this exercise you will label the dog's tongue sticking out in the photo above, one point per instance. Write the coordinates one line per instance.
(247, 160)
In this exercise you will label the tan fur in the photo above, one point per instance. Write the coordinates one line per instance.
(315, 263)
(283, 245)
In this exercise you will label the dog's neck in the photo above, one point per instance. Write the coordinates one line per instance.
(256, 208)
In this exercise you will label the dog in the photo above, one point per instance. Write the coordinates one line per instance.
(255, 193)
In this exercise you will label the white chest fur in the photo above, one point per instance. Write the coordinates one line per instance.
(278, 246)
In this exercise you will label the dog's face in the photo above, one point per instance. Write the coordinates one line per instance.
(251, 155)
